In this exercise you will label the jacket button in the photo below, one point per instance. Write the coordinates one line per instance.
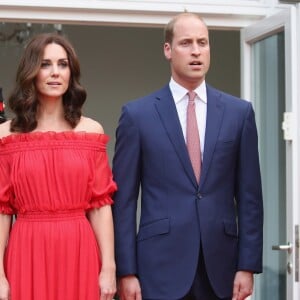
(199, 196)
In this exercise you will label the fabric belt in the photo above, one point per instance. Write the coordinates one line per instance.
(48, 216)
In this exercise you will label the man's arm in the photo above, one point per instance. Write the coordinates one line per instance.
(249, 198)
(126, 171)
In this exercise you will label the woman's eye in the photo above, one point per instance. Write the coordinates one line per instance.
(45, 64)
(64, 64)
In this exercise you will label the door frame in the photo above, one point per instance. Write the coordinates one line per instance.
(286, 21)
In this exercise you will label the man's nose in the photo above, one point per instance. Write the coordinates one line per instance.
(196, 49)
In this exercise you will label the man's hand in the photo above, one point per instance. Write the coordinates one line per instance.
(243, 285)
(129, 288)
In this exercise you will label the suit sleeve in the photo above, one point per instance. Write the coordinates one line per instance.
(249, 198)
(126, 170)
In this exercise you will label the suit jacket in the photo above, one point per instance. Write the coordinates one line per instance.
(223, 214)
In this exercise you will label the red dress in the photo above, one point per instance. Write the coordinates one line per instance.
(49, 180)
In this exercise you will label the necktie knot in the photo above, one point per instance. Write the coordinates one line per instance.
(192, 95)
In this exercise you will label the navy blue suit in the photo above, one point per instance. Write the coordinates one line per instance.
(223, 214)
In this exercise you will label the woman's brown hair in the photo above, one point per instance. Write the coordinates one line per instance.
(23, 100)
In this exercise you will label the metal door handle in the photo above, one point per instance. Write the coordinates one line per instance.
(287, 247)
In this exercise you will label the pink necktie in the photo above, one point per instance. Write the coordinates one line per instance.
(192, 136)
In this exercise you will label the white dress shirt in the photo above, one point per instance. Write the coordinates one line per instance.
(181, 101)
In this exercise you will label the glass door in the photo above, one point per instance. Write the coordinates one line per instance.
(268, 91)
(267, 67)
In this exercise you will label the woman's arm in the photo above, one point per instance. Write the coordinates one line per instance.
(102, 224)
(5, 223)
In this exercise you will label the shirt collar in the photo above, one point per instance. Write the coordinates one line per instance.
(179, 92)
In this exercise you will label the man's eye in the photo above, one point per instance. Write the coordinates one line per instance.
(203, 43)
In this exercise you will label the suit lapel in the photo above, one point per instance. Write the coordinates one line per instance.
(166, 109)
(214, 117)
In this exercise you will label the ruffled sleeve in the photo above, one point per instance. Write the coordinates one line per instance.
(6, 191)
(103, 185)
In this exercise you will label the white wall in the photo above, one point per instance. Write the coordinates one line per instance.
(217, 13)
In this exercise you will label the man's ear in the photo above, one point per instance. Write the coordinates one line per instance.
(167, 51)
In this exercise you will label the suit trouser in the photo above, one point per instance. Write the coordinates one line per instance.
(201, 288)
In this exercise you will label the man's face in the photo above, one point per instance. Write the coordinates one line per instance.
(189, 52)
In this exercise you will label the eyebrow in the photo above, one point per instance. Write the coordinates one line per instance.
(60, 59)
(191, 38)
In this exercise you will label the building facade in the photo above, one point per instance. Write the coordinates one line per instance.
(268, 61)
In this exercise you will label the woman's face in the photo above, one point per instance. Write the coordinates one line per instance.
(53, 78)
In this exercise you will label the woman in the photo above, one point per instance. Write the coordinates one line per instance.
(55, 176)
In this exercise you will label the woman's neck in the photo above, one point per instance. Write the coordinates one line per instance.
(50, 116)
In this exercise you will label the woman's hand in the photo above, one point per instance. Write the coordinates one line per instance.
(107, 283)
(4, 288)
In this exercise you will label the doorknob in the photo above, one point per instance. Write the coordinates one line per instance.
(287, 247)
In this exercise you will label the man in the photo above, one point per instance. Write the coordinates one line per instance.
(198, 238)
